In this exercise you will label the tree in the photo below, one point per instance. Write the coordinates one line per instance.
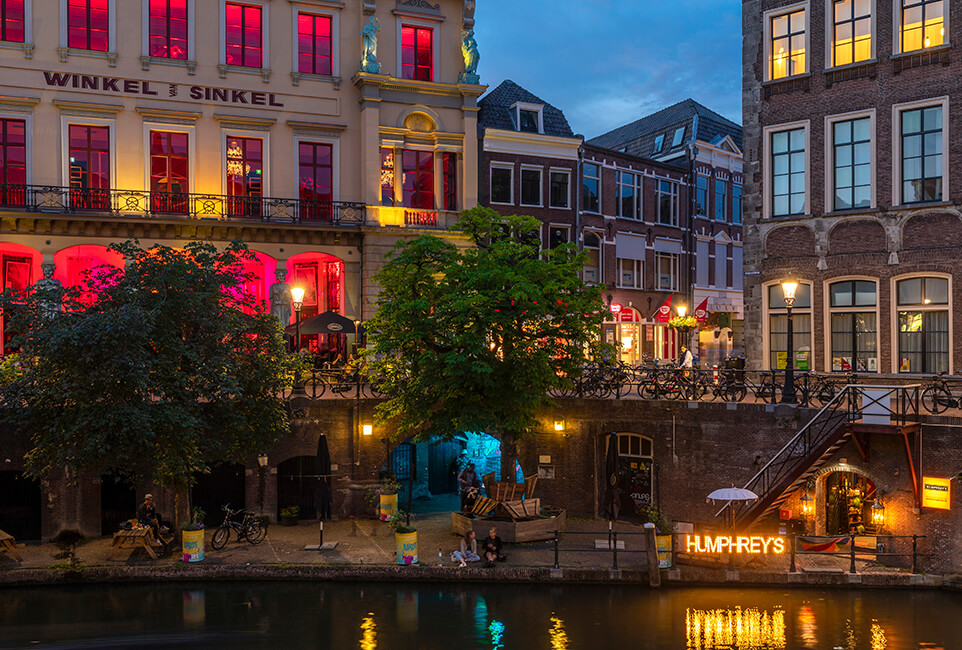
(152, 372)
(473, 340)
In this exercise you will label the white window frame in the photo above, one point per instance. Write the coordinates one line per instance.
(639, 273)
(27, 46)
(516, 109)
(540, 171)
(600, 187)
(65, 122)
(767, 171)
(830, 121)
(674, 135)
(566, 172)
(828, 310)
(600, 234)
(767, 313)
(191, 61)
(435, 28)
(500, 165)
(897, 28)
(265, 39)
(894, 316)
(191, 131)
(657, 148)
(65, 50)
(767, 32)
(265, 136)
(897, 110)
(830, 36)
(675, 274)
(546, 244)
(27, 118)
(637, 186)
(335, 163)
(676, 201)
(314, 10)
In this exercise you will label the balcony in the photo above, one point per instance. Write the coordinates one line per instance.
(66, 200)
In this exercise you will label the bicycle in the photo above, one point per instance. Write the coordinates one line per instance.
(250, 527)
(937, 398)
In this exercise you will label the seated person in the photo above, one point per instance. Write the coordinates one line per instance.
(147, 516)
(492, 548)
(469, 550)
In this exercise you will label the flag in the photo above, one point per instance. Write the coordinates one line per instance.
(701, 312)
(664, 312)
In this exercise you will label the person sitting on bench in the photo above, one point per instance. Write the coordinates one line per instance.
(147, 516)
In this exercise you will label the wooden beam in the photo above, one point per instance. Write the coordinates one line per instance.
(911, 463)
(863, 447)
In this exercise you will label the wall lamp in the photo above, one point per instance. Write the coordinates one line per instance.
(559, 424)
(367, 429)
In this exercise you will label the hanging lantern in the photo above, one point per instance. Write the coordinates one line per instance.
(878, 513)
(808, 505)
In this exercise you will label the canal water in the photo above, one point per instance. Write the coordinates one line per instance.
(289, 615)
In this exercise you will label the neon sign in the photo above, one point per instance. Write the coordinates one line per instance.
(741, 544)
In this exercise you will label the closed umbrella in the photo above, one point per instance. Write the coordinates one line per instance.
(612, 491)
(322, 489)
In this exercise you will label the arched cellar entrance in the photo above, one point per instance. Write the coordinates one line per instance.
(635, 473)
(118, 503)
(848, 500)
(225, 484)
(20, 506)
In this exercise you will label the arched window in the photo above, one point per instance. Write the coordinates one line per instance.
(635, 455)
(923, 321)
(801, 327)
(854, 342)
(593, 263)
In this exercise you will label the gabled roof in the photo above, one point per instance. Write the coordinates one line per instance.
(638, 137)
(496, 106)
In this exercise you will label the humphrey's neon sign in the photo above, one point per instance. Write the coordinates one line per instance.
(740, 544)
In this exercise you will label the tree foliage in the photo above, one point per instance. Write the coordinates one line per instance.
(473, 340)
(152, 372)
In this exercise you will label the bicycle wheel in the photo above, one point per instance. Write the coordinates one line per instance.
(219, 540)
(256, 532)
(936, 399)
(735, 393)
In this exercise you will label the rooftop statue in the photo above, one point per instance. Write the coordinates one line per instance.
(469, 49)
(369, 47)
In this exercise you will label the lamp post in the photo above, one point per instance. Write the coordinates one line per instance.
(297, 297)
(261, 480)
(788, 391)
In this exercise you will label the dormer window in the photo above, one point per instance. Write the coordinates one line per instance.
(659, 143)
(676, 139)
(527, 118)
(529, 121)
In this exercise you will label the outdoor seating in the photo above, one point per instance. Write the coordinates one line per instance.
(9, 544)
(139, 538)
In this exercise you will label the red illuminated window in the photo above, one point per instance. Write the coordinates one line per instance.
(449, 167)
(418, 168)
(313, 44)
(387, 176)
(244, 44)
(89, 167)
(11, 20)
(13, 161)
(169, 169)
(168, 29)
(417, 53)
(245, 175)
(315, 180)
(88, 24)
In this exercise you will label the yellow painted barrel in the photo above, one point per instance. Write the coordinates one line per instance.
(407, 547)
(388, 506)
(193, 545)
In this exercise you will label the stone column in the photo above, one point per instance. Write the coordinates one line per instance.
(469, 111)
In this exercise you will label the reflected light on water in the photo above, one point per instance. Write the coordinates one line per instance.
(368, 632)
(878, 637)
(557, 634)
(497, 634)
(807, 627)
(737, 629)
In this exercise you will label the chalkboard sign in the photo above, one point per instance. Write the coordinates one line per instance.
(638, 483)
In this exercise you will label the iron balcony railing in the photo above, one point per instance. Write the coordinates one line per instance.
(73, 200)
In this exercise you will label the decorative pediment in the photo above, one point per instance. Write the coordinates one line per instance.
(420, 6)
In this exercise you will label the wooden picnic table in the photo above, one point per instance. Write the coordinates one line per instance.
(9, 544)
(133, 539)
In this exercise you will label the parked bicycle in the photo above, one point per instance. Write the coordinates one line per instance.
(937, 397)
(249, 527)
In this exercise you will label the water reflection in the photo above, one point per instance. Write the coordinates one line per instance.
(739, 629)
(557, 634)
(497, 634)
(368, 633)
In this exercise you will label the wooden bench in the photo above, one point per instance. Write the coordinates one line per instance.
(9, 544)
(137, 538)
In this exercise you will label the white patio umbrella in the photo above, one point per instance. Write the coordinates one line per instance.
(730, 494)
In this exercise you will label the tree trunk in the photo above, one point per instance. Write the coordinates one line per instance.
(509, 455)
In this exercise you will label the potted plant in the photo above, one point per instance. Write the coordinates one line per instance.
(382, 498)
(405, 539)
(192, 536)
(290, 515)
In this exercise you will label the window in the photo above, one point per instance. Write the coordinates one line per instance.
(314, 44)
(315, 180)
(852, 142)
(169, 172)
(677, 138)
(787, 45)
(13, 162)
(701, 195)
(530, 187)
(590, 188)
(244, 35)
(788, 172)
(245, 175)
(88, 24)
(418, 179)
(854, 329)
(630, 273)
(387, 176)
(528, 121)
(853, 31)
(168, 29)
(921, 154)
(736, 203)
(12, 21)
(417, 53)
(558, 236)
(923, 321)
(629, 195)
(559, 189)
(667, 201)
(502, 185)
(89, 152)
(659, 143)
(593, 263)
(721, 191)
(923, 24)
(667, 271)
(449, 171)
(801, 327)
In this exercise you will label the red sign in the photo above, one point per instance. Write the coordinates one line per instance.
(664, 312)
(616, 308)
(701, 312)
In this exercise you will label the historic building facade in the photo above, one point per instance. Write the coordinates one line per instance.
(850, 124)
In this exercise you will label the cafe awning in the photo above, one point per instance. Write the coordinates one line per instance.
(327, 323)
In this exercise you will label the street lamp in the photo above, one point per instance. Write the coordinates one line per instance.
(808, 505)
(788, 392)
(297, 297)
(682, 310)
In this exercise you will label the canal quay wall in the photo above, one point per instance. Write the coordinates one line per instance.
(695, 447)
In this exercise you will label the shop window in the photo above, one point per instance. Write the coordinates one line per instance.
(13, 162)
(418, 179)
(667, 202)
(560, 194)
(923, 321)
(721, 193)
(168, 29)
(502, 184)
(245, 176)
(788, 172)
(852, 154)
(592, 267)
(629, 195)
(530, 187)
(852, 25)
(736, 203)
(17, 272)
(88, 24)
(169, 172)
(801, 327)
(921, 133)
(667, 271)
(922, 24)
(387, 176)
(12, 21)
(89, 152)
(449, 170)
(854, 345)
(630, 274)
(315, 181)
(314, 44)
(417, 53)
(787, 45)
(591, 188)
(244, 35)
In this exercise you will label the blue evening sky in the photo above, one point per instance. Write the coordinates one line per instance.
(609, 62)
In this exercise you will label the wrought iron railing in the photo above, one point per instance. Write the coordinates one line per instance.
(73, 200)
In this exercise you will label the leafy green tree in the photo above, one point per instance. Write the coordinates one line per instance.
(152, 372)
(473, 340)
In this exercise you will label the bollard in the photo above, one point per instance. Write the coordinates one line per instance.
(792, 568)
(320, 539)
(851, 554)
(915, 554)
(614, 549)
(556, 550)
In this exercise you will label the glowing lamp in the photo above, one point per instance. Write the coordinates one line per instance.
(367, 429)
(878, 513)
(682, 310)
(262, 460)
(297, 297)
(559, 424)
(808, 505)
(789, 288)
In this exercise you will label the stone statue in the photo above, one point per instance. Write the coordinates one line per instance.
(281, 298)
(469, 49)
(50, 284)
(369, 47)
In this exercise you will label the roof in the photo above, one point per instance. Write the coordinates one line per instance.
(496, 106)
(638, 137)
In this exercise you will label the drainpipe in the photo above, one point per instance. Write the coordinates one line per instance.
(692, 154)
